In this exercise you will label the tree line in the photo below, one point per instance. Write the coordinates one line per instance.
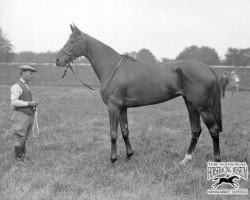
(208, 55)
(6, 48)
(46, 57)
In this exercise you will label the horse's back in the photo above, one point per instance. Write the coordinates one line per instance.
(195, 70)
(197, 81)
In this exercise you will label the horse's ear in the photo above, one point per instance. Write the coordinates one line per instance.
(72, 28)
(79, 32)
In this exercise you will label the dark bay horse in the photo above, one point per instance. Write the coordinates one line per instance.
(126, 82)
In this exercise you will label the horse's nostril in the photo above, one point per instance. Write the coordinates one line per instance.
(57, 61)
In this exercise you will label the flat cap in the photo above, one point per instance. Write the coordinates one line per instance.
(27, 67)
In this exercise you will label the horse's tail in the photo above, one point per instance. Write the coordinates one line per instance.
(216, 102)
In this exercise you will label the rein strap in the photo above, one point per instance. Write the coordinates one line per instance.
(85, 84)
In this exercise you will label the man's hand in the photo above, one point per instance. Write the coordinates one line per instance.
(32, 104)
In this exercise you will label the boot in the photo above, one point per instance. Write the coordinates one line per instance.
(23, 151)
(19, 153)
(24, 157)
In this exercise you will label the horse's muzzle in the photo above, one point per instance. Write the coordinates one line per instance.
(58, 63)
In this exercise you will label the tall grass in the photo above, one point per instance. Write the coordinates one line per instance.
(70, 157)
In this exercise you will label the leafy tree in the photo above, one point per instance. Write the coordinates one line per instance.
(203, 54)
(6, 52)
(189, 53)
(237, 57)
(145, 56)
(81, 60)
(25, 57)
(209, 56)
(246, 56)
(132, 54)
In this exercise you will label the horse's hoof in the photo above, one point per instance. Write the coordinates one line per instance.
(187, 159)
(217, 159)
(183, 163)
(129, 155)
(113, 160)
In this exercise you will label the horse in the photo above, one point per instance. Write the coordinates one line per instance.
(127, 83)
(228, 180)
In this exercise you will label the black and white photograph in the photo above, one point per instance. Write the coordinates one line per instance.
(124, 100)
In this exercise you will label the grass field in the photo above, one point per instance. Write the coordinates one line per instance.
(70, 157)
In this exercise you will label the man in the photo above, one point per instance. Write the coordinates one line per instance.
(223, 83)
(24, 107)
(235, 83)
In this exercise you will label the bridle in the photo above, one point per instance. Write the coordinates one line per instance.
(72, 54)
(71, 58)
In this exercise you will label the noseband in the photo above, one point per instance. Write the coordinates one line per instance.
(71, 54)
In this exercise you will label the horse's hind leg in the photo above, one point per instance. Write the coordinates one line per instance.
(194, 119)
(209, 120)
(125, 132)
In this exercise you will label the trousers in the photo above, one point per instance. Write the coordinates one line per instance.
(22, 127)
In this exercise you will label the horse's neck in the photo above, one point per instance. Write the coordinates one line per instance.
(102, 58)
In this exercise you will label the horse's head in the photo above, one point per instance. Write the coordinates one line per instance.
(72, 49)
(234, 177)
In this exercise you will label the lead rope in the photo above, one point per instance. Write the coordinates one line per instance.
(35, 121)
(35, 126)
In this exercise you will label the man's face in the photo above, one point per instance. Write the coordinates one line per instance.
(28, 75)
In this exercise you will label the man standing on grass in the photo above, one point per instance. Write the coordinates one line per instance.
(235, 83)
(223, 83)
(24, 108)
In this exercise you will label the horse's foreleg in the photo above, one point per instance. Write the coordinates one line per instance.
(125, 132)
(209, 120)
(194, 119)
(114, 114)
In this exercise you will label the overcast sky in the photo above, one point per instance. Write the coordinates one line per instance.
(165, 27)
